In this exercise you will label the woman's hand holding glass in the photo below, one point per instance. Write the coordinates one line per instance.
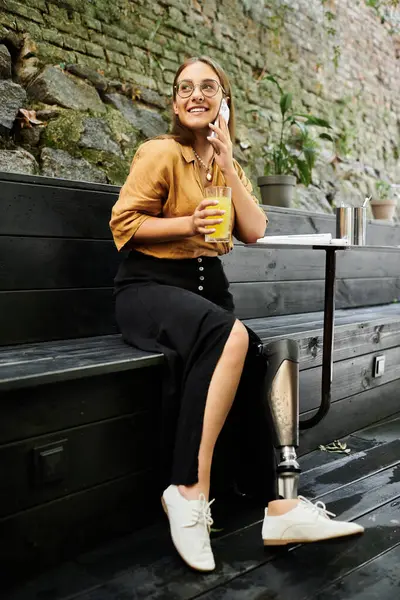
(200, 221)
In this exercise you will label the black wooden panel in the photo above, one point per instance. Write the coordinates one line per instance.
(381, 574)
(55, 210)
(54, 263)
(350, 377)
(246, 570)
(31, 316)
(285, 297)
(49, 534)
(357, 331)
(54, 407)
(350, 341)
(254, 573)
(44, 263)
(348, 468)
(367, 292)
(280, 298)
(91, 454)
(350, 414)
(27, 316)
(41, 206)
(69, 360)
(252, 264)
(57, 182)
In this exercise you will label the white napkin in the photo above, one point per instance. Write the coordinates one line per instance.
(306, 239)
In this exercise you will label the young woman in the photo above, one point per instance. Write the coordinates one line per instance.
(172, 296)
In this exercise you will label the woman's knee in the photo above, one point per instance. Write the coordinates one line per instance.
(238, 340)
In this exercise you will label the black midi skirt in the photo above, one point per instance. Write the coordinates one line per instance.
(182, 308)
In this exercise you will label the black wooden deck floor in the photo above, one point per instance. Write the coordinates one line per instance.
(364, 485)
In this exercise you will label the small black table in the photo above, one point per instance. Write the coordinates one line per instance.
(329, 311)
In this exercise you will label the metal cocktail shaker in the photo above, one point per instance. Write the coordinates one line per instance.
(344, 223)
(359, 225)
(351, 224)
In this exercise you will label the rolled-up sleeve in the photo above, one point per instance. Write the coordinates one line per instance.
(143, 193)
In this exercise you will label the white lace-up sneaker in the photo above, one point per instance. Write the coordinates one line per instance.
(307, 522)
(190, 522)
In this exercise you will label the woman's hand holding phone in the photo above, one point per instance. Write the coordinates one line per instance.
(224, 112)
(221, 141)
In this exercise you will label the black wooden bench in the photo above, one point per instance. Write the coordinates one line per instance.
(78, 405)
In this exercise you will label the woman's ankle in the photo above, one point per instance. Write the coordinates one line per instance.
(192, 492)
(280, 507)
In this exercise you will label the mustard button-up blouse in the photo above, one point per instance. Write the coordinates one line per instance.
(164, 181)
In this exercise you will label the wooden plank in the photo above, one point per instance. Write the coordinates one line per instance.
(18, 371)
(54, 263)
(381, 433)
(341, 315)
(254, 300)
(350, 340)
(317, 458)
(378, 579)
(150, 552)
(278, 298)
(326, 480)
(350, 377)
(65, 580)
(85, 207)
(51, 533)
(249, 264)
(31, 316)
(363, 495)
(45, 263)
(367, 292)
(245, 569)
(59, 210)
(32, 364)
(311, 566)
(54, 407)
(350, 414)
(91, 454)
(57, 182)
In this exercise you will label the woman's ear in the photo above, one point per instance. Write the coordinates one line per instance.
(228, 100)
(175, 108)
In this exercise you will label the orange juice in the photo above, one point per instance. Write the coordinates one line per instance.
(222, 230)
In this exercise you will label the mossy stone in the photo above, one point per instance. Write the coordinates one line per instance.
(65, 131)
(116, 169)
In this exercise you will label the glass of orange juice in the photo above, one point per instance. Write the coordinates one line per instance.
(224, 197)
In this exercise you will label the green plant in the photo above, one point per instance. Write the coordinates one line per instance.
(295, 150)
(383, 190)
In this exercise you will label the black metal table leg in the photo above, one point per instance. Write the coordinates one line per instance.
(327, 349)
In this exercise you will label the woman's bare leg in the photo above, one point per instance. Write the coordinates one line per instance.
(221, 393)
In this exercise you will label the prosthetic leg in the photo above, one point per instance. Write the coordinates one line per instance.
(281, 403)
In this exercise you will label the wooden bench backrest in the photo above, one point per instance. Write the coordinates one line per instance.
(57, 263)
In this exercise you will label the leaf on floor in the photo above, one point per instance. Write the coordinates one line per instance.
(335, 446)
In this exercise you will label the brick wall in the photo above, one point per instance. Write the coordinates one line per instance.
(336, 56)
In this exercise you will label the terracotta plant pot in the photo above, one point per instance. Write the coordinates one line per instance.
(383, 209)
(277, 190)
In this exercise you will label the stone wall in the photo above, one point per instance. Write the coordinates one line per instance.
(93, 79)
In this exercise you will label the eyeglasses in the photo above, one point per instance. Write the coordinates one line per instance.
(208, 87)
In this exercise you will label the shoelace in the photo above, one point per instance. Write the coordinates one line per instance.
(201, 513)
(318, 506)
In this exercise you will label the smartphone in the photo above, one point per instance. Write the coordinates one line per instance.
(224, 111)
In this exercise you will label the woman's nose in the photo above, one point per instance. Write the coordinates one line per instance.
(197, 92)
